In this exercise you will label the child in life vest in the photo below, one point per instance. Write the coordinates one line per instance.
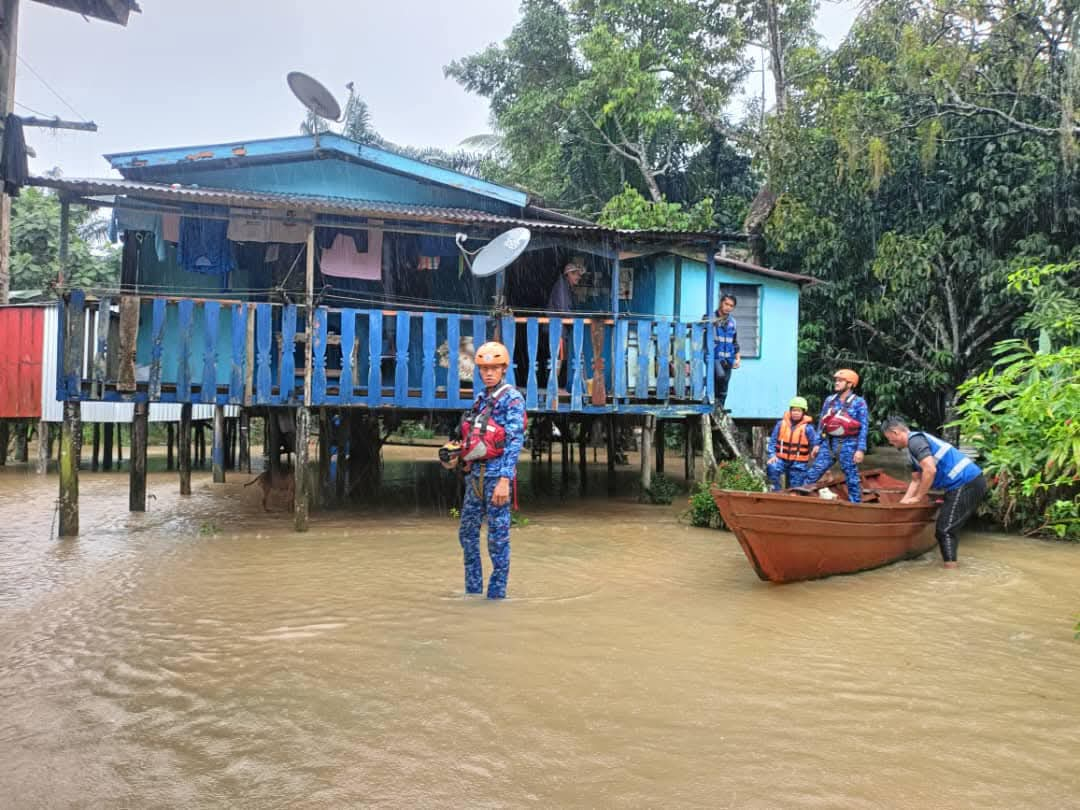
(492, 433)
(792, 440)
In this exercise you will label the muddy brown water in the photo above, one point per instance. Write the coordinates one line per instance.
(204, 655)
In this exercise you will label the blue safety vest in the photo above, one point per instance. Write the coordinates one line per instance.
(954, 469)
(724, 347)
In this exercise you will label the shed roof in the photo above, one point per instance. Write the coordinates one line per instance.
(114, 11)
(88, 190)
(149, 164)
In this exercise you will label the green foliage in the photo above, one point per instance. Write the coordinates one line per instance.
(729, 475)
(411, 430)
(35, 245)
(629, 210)
(455, 513)
(517, 519)
(662, 491)
(1024, 413)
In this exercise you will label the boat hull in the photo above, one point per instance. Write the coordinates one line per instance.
(791, 539)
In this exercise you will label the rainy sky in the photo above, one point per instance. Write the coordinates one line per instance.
(212, 71)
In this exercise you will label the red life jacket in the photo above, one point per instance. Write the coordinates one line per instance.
(792, 444)
(838, 422)
(482, 438)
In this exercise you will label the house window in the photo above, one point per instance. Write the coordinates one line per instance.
(747, 316)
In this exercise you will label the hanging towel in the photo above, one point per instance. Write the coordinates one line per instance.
(134, 219)
(248, 225)
(170, 227)
(204, 246)
(344, 261)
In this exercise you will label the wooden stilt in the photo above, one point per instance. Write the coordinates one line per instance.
(708, 455)
(660, 448)
(201, 436)
(342, 439)
(564, 429)
(43, 447)
(183, 446)
(5, 435)
(612, 449)
(583, 460)
(217, 452)
(245, 442)
(69, 470)
(140, 426)
(96, 447)
(119, 445)
(758, 439)
(647, 431)
(273, 432)
(326, 439)
(689, 468)
(49, 441)
(170, 439)
(107, 447)
(20, 451)
(300, 503)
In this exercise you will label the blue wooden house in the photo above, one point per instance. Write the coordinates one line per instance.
(317, 272)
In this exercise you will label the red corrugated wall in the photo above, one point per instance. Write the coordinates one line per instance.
(22, 333)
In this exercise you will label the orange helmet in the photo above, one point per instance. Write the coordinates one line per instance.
(492, 354)
(847, 375)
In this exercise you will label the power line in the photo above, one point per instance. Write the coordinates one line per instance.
(52, 90)
(31, 109)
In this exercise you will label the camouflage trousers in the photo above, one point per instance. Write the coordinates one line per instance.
(477, 506)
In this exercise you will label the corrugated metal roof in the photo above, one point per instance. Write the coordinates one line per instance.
(177, 194)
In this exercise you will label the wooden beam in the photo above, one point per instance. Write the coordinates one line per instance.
(217, 452)
(300, 500)
(183, 447)
(69, 470)
(140, 424)
(57, 123)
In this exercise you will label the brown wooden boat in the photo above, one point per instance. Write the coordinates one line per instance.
(788, 538)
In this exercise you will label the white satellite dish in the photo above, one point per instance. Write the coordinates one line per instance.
(314, 96)
(500, 252)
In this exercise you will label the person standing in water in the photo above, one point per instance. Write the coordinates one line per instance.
(936, 464)
(492, 435)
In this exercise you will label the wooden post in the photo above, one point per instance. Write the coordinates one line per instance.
(646, 453)
(96, 447)
(217, 451)
(273, 441)
(342, 439)
(758, 442)
(583, 460)
(660, 448)
(119, 445)
(245, 442)
(9, 42)
(170, 438)
(300, 502)
(708, 454)
(107, 448)
(564, 429)
(19, 450)
(43, 447)
(4, 438)
(140, 425)
(323, 483)
(690, 469)
(69, 470)
(612, 450)
(183, 447)
(200, 439)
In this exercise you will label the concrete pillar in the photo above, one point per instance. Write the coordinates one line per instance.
(69, 470)
(140, 426)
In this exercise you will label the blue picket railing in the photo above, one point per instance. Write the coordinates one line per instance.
(240, 353)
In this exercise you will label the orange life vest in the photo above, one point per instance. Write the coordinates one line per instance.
(792, 444)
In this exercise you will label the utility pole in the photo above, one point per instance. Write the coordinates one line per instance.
(9, 38)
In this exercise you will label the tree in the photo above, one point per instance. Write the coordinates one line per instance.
(591, 94)
(631, 211)
(914, 221)
(35, 245)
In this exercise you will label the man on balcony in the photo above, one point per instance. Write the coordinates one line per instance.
(725, 348)
(560, 301)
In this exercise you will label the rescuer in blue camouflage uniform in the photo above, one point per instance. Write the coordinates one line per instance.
(842, 429)
(497, 427)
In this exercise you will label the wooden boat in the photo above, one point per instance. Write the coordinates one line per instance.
(788, 538)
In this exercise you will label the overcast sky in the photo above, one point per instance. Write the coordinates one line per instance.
(190, 72)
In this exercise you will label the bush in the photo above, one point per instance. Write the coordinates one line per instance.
(1023, 415)
(411, 430)
(729, 475)
(662, 491)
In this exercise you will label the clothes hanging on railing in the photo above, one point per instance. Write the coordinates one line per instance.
(343, 260)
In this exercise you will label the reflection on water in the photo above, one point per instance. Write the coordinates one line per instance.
(203, 655)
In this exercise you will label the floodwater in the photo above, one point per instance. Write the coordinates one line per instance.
(204, 655)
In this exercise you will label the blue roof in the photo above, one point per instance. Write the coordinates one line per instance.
(141, 163)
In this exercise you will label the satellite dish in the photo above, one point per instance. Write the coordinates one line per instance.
(500, 252)
(314, 95)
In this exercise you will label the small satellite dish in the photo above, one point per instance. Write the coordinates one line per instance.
(314, 95)
(500, 252)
